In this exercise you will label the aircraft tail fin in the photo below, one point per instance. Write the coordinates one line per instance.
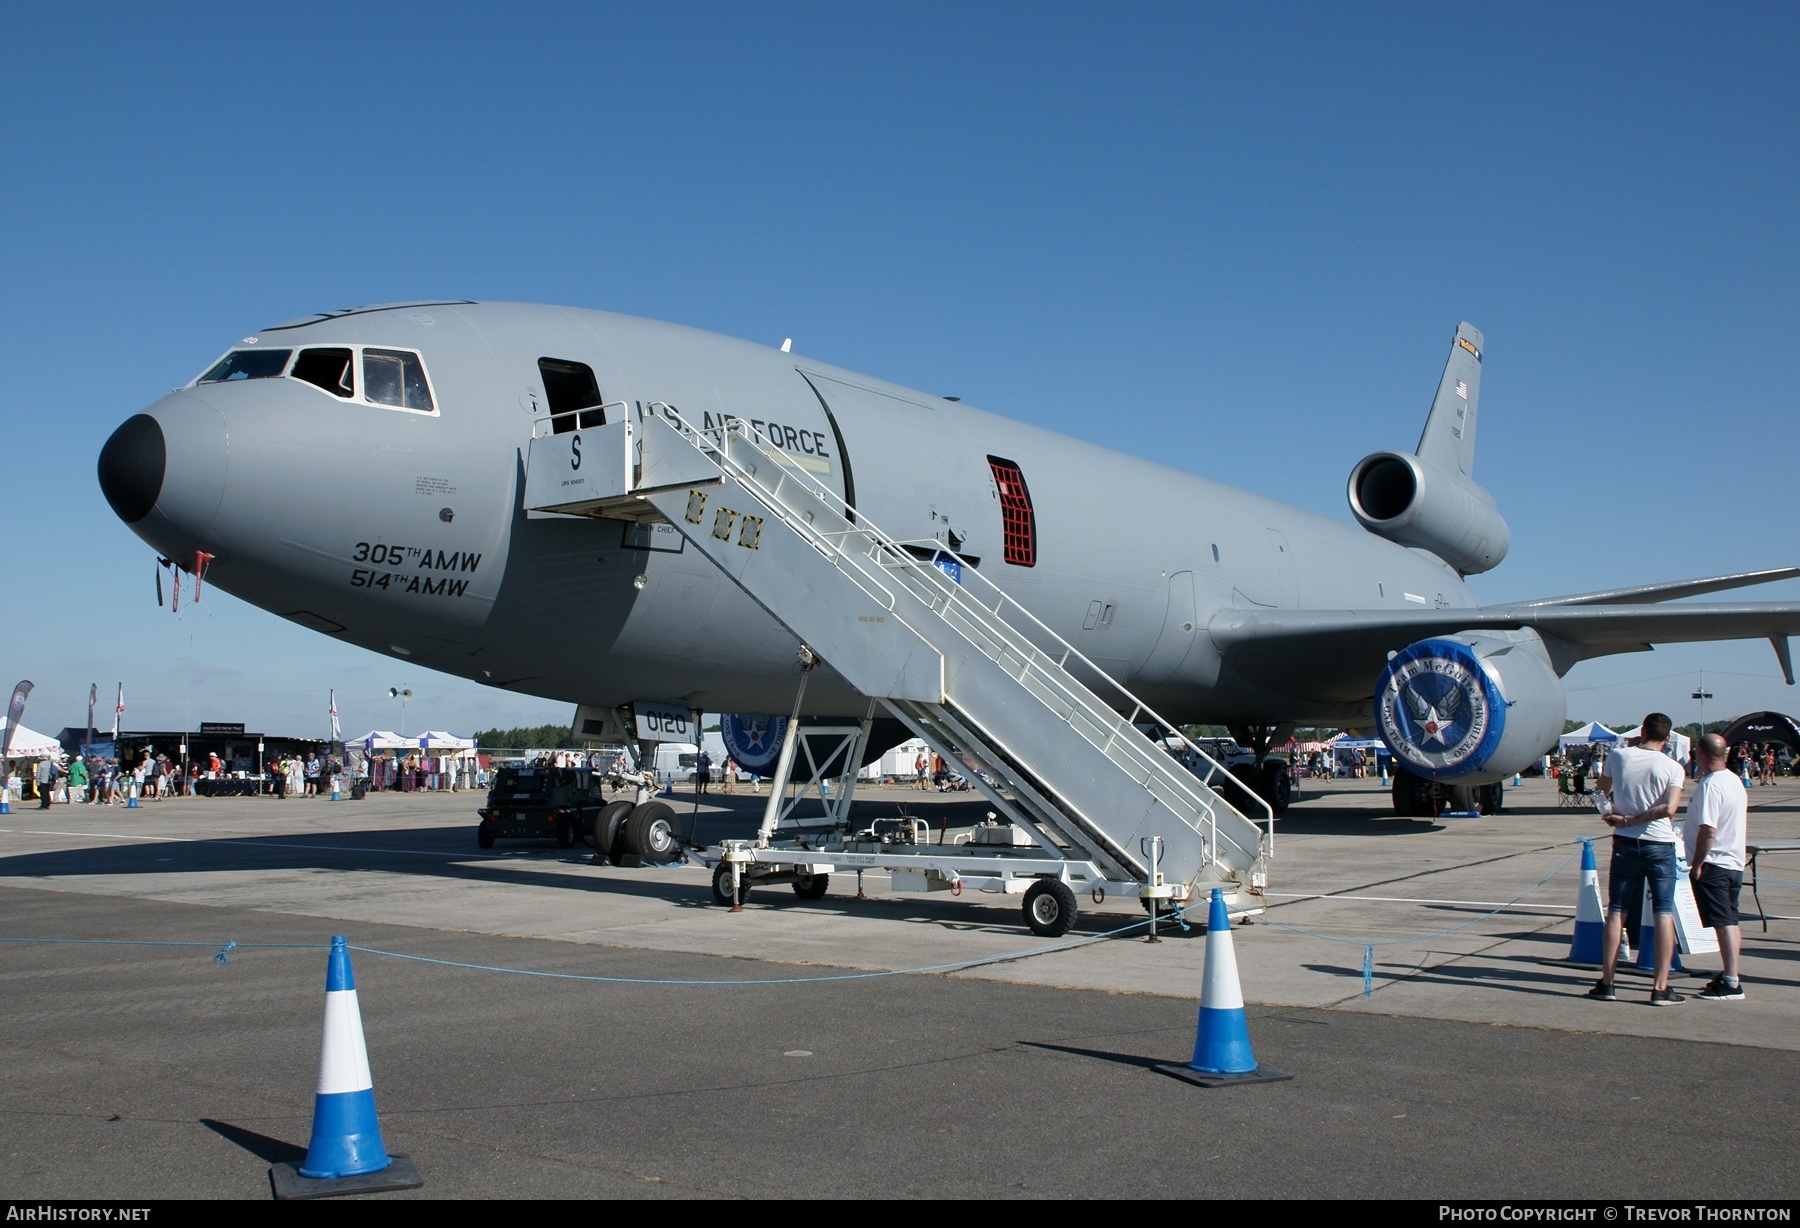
(1449, 437)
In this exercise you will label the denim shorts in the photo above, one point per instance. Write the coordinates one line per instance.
(1634, 863)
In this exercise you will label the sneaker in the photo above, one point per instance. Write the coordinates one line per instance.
(1718, 991)
(1602, 992)
(1664, 997)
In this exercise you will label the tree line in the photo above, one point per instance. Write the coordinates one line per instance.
(526, 737)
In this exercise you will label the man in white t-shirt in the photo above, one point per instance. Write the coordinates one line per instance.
(1644, 786)
(1715, 832)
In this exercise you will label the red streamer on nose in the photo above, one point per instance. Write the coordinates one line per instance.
(201, 559)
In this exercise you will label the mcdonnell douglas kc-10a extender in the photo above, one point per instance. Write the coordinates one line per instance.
(614, 511)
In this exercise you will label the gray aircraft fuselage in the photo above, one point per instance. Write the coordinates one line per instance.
(402, 530)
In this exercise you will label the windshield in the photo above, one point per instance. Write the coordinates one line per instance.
(328, 369)
(248, 364)
(397, 378)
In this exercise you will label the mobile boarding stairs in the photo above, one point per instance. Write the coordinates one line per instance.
(1074, 761)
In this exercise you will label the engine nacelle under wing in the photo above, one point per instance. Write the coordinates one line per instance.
(1415, 503)
(1471, 709)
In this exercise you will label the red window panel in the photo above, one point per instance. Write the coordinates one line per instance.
(1018, 524)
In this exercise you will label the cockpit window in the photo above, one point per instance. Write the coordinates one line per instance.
(248, 364)
(330, 369)
(396, 378)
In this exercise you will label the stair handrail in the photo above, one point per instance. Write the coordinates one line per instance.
(549, 420)
(710, 442)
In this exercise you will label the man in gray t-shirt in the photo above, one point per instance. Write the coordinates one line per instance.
(1644, 787)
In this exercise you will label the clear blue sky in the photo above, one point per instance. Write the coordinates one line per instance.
(1234, 238)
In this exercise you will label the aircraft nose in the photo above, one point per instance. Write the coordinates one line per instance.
(132, 465)
(163, 471)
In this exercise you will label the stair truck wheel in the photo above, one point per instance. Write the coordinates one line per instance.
(565, 831)
(650, 833)
(1049, 908)
(609, 826)
(484, 836)
(811, 886)
(722, 885)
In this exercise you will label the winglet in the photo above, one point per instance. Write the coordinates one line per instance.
(1785, 656)
(1449, 437)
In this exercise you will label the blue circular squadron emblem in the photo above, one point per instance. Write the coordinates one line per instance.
(1439, 709)
(753, 741)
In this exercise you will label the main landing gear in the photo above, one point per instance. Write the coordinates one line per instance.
(1418, 798)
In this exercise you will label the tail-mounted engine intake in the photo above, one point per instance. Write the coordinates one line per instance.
(1473, 709)
(1408, 500)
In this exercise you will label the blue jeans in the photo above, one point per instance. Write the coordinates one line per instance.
(1635, 862)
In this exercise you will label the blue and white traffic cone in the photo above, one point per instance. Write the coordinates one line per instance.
(131, 802)
(346, 1154)
(5, 802)
(1646, 955)
(1222, 1052)
(1588, 948)
(334, 790)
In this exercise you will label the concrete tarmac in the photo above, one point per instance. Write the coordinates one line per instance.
(147, 1071)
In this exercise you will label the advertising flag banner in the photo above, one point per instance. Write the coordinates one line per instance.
(118, 711)
(15, 712)
(93, 698)
(336, 734)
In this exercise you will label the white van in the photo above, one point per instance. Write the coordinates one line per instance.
(675, 760)
(680, 760)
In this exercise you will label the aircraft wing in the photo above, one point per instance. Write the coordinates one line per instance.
(1644, 594)
(1336, 654)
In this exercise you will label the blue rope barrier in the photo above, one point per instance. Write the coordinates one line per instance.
(222, 956)
(151, 942)
(1369, 947)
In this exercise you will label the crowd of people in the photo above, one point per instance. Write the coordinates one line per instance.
(1761, 760)
(934, 774)
(100, 780)
(420, 773)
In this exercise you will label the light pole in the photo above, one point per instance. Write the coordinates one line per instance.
(1702, 694)
(402, 694)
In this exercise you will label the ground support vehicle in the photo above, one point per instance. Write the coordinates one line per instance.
(569, 804)
(1271, 779)
(541, 802)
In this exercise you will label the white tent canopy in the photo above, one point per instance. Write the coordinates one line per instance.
(1595, 734)
(444, 743)
(1680, 746)
(30, 744)
(1588, 734)
(381, 739)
